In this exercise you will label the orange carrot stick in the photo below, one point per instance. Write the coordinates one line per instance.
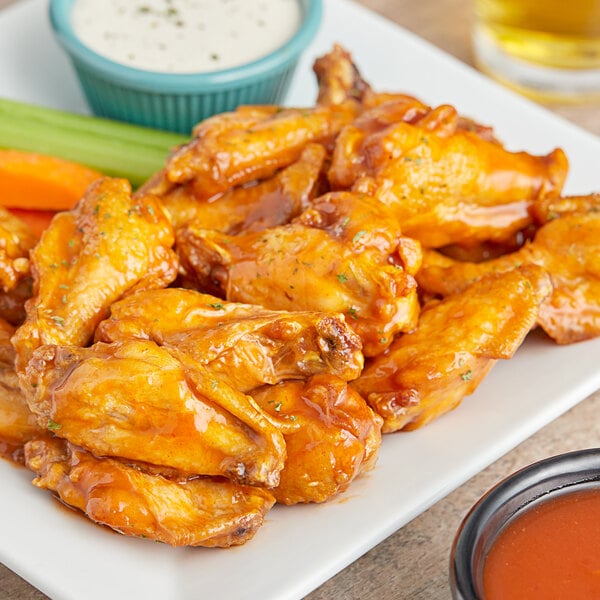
(37, 181)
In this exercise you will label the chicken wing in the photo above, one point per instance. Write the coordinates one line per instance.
(568, 248)
(222, 156)
(244, 345)
(429, 371)
(331, 436)
(106, 247)
(138, 401)
(445, 184)
(344, 255)
(266, 203)
(187, 512)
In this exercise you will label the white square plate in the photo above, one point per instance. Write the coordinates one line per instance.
(300, 547)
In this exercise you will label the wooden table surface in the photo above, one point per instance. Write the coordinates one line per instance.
(412, 564)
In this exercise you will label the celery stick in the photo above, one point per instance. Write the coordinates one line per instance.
(112, 147)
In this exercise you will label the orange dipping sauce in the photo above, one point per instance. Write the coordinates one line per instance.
(550, 551)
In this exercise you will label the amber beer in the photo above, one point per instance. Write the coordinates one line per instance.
(559, 38)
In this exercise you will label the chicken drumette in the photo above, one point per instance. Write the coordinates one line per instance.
(331, 436)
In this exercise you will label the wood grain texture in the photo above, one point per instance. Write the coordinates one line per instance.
(413, 563)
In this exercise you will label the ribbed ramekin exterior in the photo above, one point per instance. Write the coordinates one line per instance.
(177, 102)
(176, 112)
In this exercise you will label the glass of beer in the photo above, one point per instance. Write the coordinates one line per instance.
(548, 49)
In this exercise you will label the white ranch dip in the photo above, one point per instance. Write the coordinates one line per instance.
(185, 36)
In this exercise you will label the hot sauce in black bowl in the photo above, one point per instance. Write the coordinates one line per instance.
(536, 535)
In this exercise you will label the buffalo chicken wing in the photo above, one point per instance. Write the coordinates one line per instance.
(343, 255)
(193, 512)
(227, 151)
(429, 371)
(107, 246)
(245, 345)
(568, 247)
(250, 207)
(138, 401)
(445, 184)
(331, 436)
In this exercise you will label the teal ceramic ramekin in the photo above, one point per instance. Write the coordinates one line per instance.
(178, 101)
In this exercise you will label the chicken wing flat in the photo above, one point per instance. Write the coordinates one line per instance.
(263, 204)
(445, 184)
(16, 239)
(187, 512)
(568, 248)
(331, 436)
(137, 401)
(344, 255)
(244, 345)
(429, 371)
(106, 247)
(242, 150)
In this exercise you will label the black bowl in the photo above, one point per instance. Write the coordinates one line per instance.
(556, 475)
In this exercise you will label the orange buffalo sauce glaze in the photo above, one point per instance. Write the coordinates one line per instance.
(551, 551)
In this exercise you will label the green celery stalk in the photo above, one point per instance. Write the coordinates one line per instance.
(111, 147)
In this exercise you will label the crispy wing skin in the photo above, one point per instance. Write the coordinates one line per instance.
(137, 401)
(16, 239)
(445, 184)
(17, 423)
(344, 255)
(331, 436)
(187, 512)
(266, 203)
(107, 246)
(429, 371)
(244, 345)
(568, 248)
(245, 149)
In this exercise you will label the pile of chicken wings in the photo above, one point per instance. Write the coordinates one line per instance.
(242, 329)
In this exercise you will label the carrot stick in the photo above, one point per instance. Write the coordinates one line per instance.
(36, 181)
